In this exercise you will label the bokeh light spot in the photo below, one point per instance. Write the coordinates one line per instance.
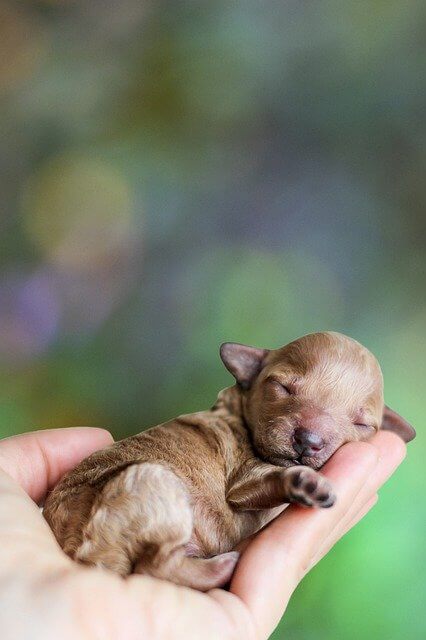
(259, 298)
(78, 211)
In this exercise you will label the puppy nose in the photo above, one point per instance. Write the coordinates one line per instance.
(307, 442)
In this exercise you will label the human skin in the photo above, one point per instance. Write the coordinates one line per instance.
(46, 595)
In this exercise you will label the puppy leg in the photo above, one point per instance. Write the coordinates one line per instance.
(141, 521)
(273, 488)
(142, 510)
(199, 573)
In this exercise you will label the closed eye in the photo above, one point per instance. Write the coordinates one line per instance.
(362, 425)
(280, 387)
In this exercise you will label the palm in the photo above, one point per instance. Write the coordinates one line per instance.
(45, 595)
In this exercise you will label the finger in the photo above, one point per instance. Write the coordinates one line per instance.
(392, 451)
(277, 558)
(362, 512)
(347, 524)
(38, 460)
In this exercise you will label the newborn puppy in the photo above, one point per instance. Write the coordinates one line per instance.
(174, 501)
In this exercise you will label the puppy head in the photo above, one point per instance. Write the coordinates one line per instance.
(303, 401)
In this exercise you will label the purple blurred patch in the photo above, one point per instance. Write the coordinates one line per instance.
(29, 315)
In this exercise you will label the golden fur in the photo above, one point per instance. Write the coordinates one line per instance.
(175, 500)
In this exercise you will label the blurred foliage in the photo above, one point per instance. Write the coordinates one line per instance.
(174, 175)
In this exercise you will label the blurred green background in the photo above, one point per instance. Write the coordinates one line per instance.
(178, 174)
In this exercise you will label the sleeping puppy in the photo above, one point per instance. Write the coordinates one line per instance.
(174, 501)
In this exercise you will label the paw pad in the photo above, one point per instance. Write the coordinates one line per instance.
(309, 488)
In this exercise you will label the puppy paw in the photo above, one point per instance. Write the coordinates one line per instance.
(309, 488)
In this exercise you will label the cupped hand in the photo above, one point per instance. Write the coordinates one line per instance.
(44, 595)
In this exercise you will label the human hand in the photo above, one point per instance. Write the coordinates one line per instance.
(46, 595)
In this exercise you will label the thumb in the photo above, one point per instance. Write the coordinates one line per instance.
(36, 461)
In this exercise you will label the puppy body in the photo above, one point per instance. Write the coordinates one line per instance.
(175, 478)
(175, 500)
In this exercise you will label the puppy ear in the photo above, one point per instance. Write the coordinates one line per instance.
(392, 421)
(243, 362)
